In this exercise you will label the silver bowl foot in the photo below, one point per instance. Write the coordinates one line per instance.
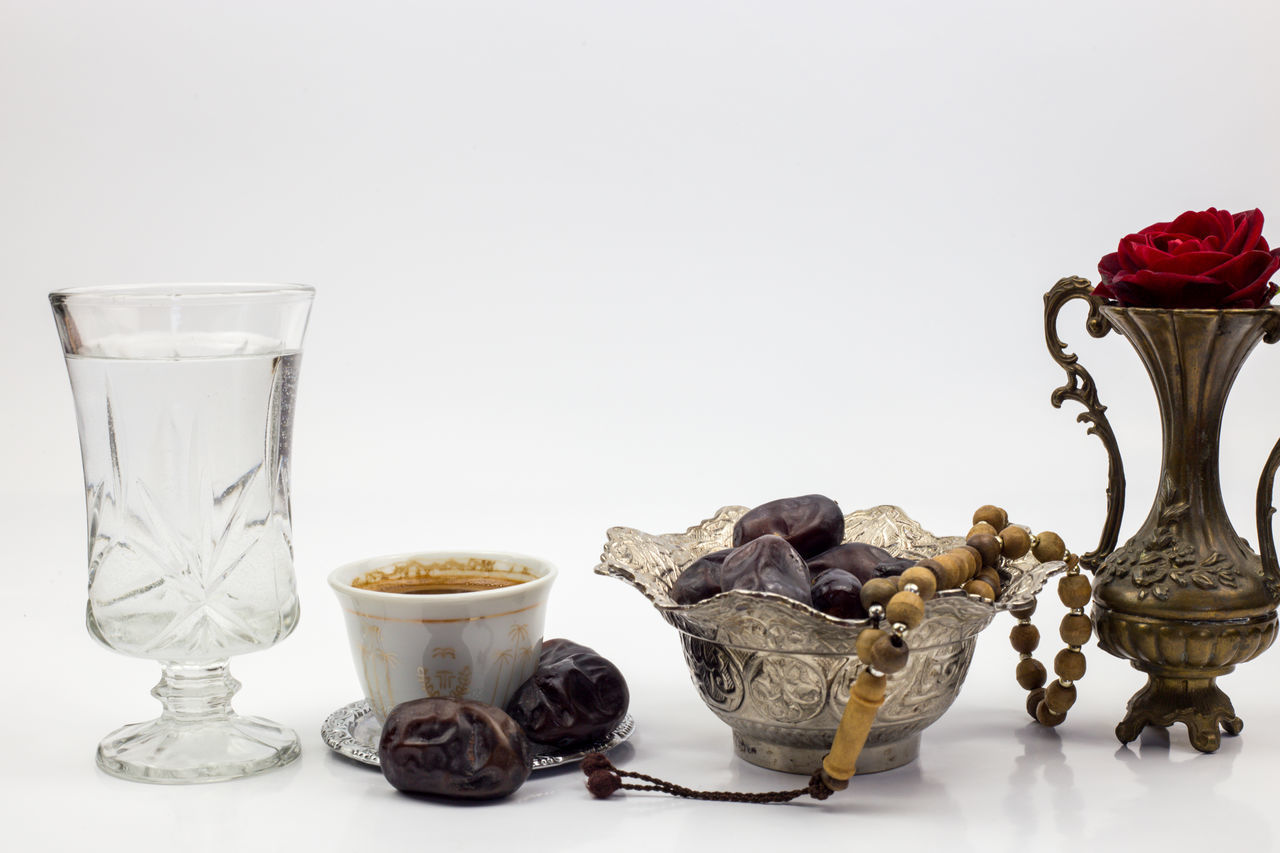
(806, 760)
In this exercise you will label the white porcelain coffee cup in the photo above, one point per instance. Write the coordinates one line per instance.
(468, 645)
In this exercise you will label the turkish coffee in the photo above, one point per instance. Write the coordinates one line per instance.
(436, 584)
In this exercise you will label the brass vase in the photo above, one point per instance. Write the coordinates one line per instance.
(1185, 599)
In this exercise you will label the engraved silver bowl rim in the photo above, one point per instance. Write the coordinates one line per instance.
(739, 636)
(651, 562)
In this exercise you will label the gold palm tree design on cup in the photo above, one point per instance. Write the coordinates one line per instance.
(512, 661)
(376, 663)
(519, 633)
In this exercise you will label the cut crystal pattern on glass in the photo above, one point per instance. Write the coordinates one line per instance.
(184, 401)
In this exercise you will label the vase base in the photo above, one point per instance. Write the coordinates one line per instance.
(166, 751)
(1197, 702)
(1182, 659)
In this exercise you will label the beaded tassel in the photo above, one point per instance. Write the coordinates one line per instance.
(1049, 705)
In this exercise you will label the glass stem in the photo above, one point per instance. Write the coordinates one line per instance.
(195, 692)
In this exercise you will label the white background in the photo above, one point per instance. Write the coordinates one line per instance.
(592, 264)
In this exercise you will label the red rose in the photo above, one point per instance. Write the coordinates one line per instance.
(1208, 259)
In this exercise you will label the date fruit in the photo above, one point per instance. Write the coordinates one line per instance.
(701, 580)
(856, 558)
(862, 561)
(453, 748)
(893, 567)
(811, 524)
(767, 564)
(574, 696)
(838, 593)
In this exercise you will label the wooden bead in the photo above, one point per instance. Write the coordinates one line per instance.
(1049, 547)
(980, 589)
(1073, 560)
(1059, 698)
(1030, 674)
(939, 571)
(988, 546)
(1069, 665)
(991, 579)
(982, 528)
(1024, 638)
(1025, 612)
(968, 560)
(1017, 541)
(1034, 698)
(976, 557)
(953, 567)
(878, 591)
(1046, 716)
(1075, 629)
(926, 581)
(993, 515)
(1074, 591)
(865, 641)
(889, 654)
(905, 608)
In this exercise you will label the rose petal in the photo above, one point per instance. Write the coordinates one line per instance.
(1189, 263)
(1246, 231)
(1186, 247)
(1247, 269)
(1169, 290)
(1137, 255)
(1256, 295)
(1131, 253)
(1226, 223)
(1109, 266)
(1262, 297)
(1200, 224)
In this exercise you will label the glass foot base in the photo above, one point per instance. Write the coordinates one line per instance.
(167, 751)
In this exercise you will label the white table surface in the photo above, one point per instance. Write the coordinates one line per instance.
(987, 776)
(592, 264)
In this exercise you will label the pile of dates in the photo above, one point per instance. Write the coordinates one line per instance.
(792, 547)
(464, 749)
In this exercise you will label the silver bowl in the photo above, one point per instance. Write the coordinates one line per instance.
(778, 671)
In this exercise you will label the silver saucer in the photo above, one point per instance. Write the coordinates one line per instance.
(353, 731)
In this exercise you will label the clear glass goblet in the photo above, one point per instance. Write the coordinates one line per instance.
(184, 398)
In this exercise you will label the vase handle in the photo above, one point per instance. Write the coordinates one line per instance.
(1080, 388)
(1266, 484)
